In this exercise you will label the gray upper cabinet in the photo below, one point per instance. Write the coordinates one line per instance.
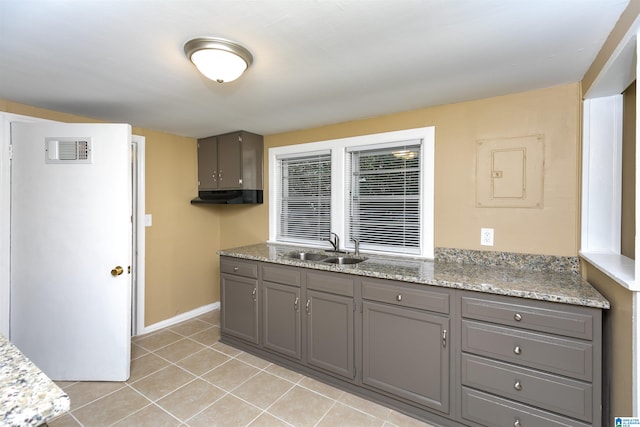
(230, 168)
(208, 163)
(232, 161)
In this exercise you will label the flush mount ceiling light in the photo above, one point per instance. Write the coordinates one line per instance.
(218, 59)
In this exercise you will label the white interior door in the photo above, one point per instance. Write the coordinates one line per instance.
(71, 213)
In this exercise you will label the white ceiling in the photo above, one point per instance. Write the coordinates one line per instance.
(316, 62)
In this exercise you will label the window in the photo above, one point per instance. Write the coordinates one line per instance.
(304, 205)
(375, 188)
(384, 202)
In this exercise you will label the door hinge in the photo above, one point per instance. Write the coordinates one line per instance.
(10, 151)
(354, 306)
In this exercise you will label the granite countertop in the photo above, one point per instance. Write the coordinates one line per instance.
(27, 396)
(564, 286)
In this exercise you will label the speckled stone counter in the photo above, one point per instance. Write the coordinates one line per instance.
(556, 286)
(27, 396)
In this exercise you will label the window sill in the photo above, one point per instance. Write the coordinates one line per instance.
(618, 267)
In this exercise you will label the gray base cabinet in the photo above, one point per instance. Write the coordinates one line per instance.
(330, 336)
(529, 362)
(309, 317)
(281, 319)
(405, 354)
(239, 299)
(448, 357)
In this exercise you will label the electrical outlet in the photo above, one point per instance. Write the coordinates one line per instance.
(486, 236)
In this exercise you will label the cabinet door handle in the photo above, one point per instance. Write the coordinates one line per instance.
(253, 294)
(308, 306)
(399, 297)
(220, 174)
(517, 350)
(444, 338)
(517, 423)
(215, 176)
(517, 386)
(295, 304)
(517, 317)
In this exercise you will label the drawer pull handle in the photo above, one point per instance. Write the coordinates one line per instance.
(517, 386)
(399, 297)
(308, 306)
(444, 338)
(517, 423)
(517, 350)
(236, 268)
(518, 317)
(295, 304)
(253, 294)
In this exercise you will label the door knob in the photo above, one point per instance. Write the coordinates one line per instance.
(117, 271)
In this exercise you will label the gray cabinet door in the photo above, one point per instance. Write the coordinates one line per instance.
(229, 161)
(208, 163)
(406, 353)
(330, 333)
(239, 310)
(281, 319)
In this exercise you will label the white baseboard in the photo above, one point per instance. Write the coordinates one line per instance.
(180, 318)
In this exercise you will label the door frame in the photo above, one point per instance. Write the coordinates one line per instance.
(137, 314)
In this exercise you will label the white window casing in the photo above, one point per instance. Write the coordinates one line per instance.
(341, 150)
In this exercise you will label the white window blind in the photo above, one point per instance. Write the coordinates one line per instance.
(384, 197)
(304, 202)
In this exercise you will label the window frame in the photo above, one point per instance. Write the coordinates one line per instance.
(340, 181)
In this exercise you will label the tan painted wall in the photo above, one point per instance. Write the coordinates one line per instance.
(181, 274)
(618, 340)
(626, 20)
(618, 320)
(551, 230)
(628, 217)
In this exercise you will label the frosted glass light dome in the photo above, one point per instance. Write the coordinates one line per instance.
(218, 59)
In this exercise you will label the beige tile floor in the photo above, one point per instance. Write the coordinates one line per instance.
(182, 376)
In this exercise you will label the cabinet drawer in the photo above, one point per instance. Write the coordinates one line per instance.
(239, 267)
(425, 299)
(279, 274)
(561, 356)
(561, 395)
(489, 410)
(330, 282)
(528, 316)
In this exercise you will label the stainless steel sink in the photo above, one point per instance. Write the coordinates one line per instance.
(307, 256)
(343, 260)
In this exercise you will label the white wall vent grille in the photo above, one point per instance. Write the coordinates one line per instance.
(68, 150)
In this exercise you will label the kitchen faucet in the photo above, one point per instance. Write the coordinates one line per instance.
(356, 243)
(335, 242)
